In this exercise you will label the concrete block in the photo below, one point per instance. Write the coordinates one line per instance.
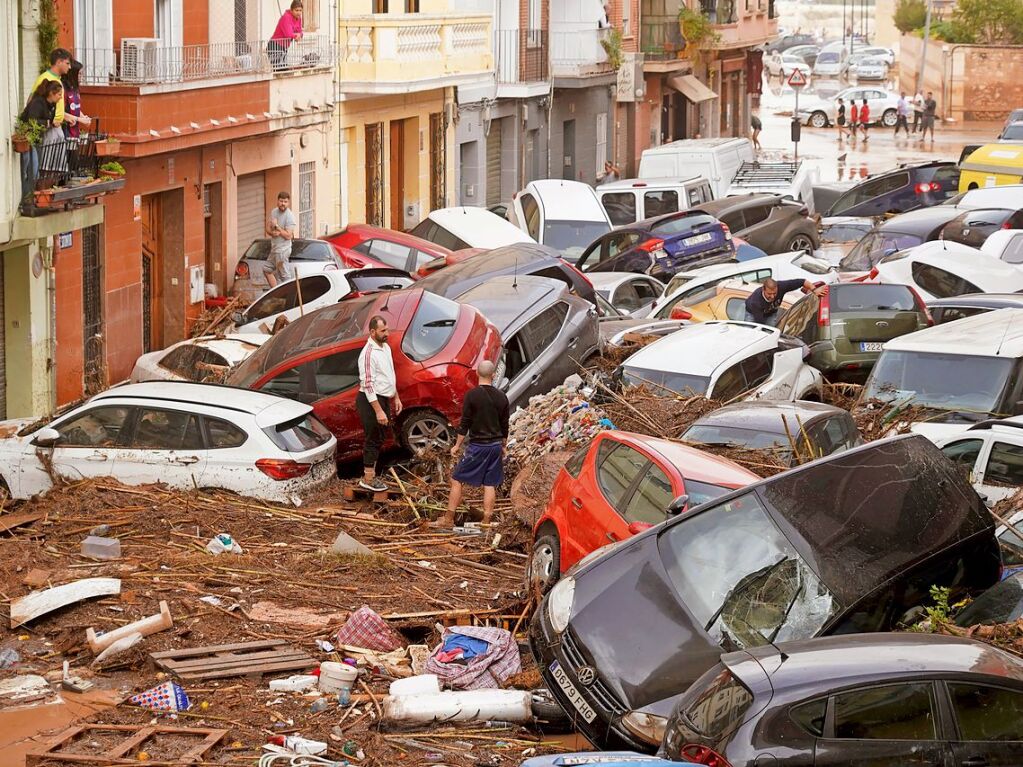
(101, 548)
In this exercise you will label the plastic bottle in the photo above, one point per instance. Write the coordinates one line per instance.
(320, 704)
(299, 744)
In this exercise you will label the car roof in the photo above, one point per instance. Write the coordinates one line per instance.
(723, 204)
(565, 200)
(466, 219)
(695, 143)
(626, 184)
(768, 416)
(504, 300)
(393, 235)
(919, 221)
(691, 462)
(611, 280)
(856, 658)
(982, 300)
(998, 333)
(702, 348)
(524, 256)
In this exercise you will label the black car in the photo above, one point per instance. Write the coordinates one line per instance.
(898, 233)
(973, 227)
(522, 258)
(1002, 603)
(773, 223)
(845, 544)
(785, 42)
(906, 188)
(661, 246)
(856, 701)
(955, 308)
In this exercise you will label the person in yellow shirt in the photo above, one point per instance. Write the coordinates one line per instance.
(60, 65)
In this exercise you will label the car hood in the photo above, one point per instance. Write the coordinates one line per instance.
(936, 432)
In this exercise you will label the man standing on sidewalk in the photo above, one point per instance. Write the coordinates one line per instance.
(918, 111)
(864, 119)
(930, 115)
(485, 422)
(377, 389)
(902, 118)
(281, 227)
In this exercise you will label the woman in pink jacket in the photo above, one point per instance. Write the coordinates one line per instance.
(288, 28)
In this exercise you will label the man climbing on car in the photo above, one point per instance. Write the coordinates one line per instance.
(762, 304)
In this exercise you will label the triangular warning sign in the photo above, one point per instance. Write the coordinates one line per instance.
(797, 79)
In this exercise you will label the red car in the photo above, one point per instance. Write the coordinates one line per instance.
(456, 257)
(364, 245)
(619, 485)
(436, 344)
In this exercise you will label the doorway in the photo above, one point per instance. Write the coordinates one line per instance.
(397, 175)
(568, 149)
(213, 241)
(375, 174)
(152, 289)
(92, 312)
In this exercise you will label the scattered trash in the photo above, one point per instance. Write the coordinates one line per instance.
(167, 696)
(471, 705)
(73, 683)
(335, 677)
(475, 657)
(211, 600)
(117, 647)
(96, 547)
(299, 745)
(320, 704)
(36, 578)
(39, 603)
(100, 531)
(365, 628)
(146, 626)
(223, 543)
(324, 645)
(297, 683)
(241, 659)
(303, 617)
(344, 697)
(422, 684)
(9, 658)
(346, 544)
(24, 688)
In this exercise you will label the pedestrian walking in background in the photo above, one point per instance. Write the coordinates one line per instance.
(840, 120)
(755, 127)
(864, 119)
(902, 115)
(918, 111)
(281, 228)
(485, 425)
(854, 118)
(378, 390)
(289, 29)
(930, 115)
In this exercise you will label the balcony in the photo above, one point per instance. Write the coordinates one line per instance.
(522, 62)
(662, 45)
(740, 23)
(579, 54)
(65, 174)
(406, 53)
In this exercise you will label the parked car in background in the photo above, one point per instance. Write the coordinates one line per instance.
(944, 269)
(307, 257)
(1005, 196)
(528, 258)
(362, 245)
(295, 298)
(626, 291)
(757, 566)
(456, 257)
(896, 235)
(636, 199)
(773, 223)
(821, 113)
(716, 159)
(1012, 133)
(794, 432)
(616, 326)
(876, 51)
(902, 698)
(436, 345)
(974, 227)
(183, 435)
(196, 359)
(1005, 244)
(660, 247)
(564, 215)
(992, 452)
(903, 189)
(723, 360)
(847, 328)
(807, 52)
(787, 42)
(618, 485)
(832, 61)
(955, 308)
(547, 332)
(469, 227)
(724, 301)
(869, 68)
(839, 234)
(784, 64)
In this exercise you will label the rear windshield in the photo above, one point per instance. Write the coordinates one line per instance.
(301, 250)
(827, 58)
(367, 281)
(712, 434)
(1013, 132)
(682, 224)
(719, 707)
(872, 298)
(680, 383)
(570, 238)
(299, 435)
(431, 327)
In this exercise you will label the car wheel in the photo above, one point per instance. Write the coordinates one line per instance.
(889, 118)
(547, 709)
(801, 242)
(819, 120)
(545, 564)
(425, 429)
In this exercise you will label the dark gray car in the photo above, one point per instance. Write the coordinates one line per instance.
(955, 308)
(866, 700)
(897, 233)
(547, 332)
(773, 223)
(307, 257)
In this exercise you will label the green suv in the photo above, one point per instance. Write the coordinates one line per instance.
(847, 328)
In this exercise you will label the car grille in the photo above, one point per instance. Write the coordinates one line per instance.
(598, 692)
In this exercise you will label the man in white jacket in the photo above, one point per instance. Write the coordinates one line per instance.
(377, 389)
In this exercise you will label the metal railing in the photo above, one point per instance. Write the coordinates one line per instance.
(144, 61)
(661, 40)
(522, 55)
(720, 11)
(64, 163)
(579, 52)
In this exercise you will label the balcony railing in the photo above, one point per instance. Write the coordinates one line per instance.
(522, 55)
(579, 53)
(144, 61)
(720, 11)
(661, 40)
(59, 174)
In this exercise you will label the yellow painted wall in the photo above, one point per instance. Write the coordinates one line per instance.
(365, 7)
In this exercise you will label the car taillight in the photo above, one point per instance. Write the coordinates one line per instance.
(924, 188)
(704, 755)
(678, 313)
(352, 294)
(873, 274)
(727, 231)
(241, 272)
(922, 306)
(577, 271)
(279, 469)
(651, 245)
(824, 310)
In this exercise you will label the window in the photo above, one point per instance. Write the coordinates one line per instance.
(617, 467)
(337, 372)
(627, 18)
(411, 6)
(534, 18)
(191, 361)
(446, 239)
(531, 212)
(286, 384)
(952, 313)
(871, 298)
(756, 214)
(987, 713)
(544, 328)
(698, 195)
(941, 283)
(828, 436)
(620, 207)
(720, 706)
(681, 383)
(167, 430)
(735, 308)
(730, 384)
(621, 242)
(1005, 465)
(942, 381)
(286, 297)
(1011, 546)
(682, 224)
(299, 434)
(306, 199)
(893, 712)
(810, 716)
(574, 465)
(98, 427)
(626, 297)
(660, 203)
(1012, 253)
(390, 253)
(591, 257)
(601, 138)
(649, 502)
(221, 434)
(757, 368)
(647, 292)
(735, 220)
(432, 327)
(367, 281)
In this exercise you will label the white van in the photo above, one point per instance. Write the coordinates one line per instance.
(716, 159)
(635, 199)
(832, 61)
(468, 227)
(564, 215)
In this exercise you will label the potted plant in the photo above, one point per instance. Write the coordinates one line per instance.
(27, 134)
(111, 169)
(43, 197)
(108, 147)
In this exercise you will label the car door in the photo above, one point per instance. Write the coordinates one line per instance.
(91, 441)
(332, 382)
(989, 721)
(624, 256)
(761, 229)
(549, 363)
(619, 469)
(647, 291)
(786, 363)
(882, 726)
(167, 445)
(877, 100)
(229, 464)
(1001, 471)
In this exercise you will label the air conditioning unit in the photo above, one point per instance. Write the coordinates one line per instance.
(140, 59)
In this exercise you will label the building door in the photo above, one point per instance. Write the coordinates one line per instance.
(252, 210)
(532, 156)
(494, 163)
(665, 118)
(92, 310)
(307, 200)
(397, 175)
(375, 174)
(152, 288)
(568, 149)
(438, 161)
(680, 117)
(213, 235)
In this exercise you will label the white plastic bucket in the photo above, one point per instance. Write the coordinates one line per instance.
(471, 705)
(335, 677)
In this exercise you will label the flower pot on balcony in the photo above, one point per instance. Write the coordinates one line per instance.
(20, 144)
(110, 173)
(108, 148)
(43, 198)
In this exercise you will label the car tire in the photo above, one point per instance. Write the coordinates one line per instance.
(801, 241)
(818, 120)
(545, 562)
(889, 118)
(424, 429)
(545, 708)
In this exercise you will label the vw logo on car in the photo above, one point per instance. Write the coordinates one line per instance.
(587, 675)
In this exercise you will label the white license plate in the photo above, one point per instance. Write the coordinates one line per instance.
(871, 346)
(698, 239)
(584, 708)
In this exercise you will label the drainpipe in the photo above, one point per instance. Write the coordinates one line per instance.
(46, 251)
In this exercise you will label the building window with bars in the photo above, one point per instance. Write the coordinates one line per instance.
(306, 199)
(437, 161)
(375, 174)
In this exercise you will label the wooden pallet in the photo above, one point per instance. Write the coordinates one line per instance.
(227, 660)
(49, 751)
(356, 493)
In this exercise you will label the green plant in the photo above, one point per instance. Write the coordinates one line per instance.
(113, 167)
(612, 44)
(909, 15)
(47, 31)
(697, 32)
(988, 22)
(30, 130)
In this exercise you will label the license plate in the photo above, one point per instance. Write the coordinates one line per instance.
(698, 239)
(584, 708)
(871, 346)
(323, 469)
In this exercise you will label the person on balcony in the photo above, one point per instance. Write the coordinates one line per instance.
(73, 102)
(289, 29)
(52, 156)
(60, 65)
(41, 109)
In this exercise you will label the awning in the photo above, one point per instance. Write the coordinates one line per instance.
(691, 88)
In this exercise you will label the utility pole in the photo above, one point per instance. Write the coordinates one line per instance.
(923, 50)
(843, 22)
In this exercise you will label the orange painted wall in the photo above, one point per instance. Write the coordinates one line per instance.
(70, 319)
(196, 22)
(132, 19)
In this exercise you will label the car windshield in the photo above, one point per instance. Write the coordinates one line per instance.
(1013, 132)
(869, 251)
(714, 434)
(741, 578)
(872, 298)
(431, 327)
(957, 382)
(571, 238)
(827, 58)
(680, 383)
(844, 232)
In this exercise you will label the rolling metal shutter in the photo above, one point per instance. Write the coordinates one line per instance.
(252, 210)
(494, 163)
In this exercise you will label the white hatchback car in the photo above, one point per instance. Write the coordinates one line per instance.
(723, 360)
(942, 269)
(627, 292)
(196, 359)
(183, 435)
(992, 452)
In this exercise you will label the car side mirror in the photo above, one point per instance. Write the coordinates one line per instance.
(46, 437)
(677, 506)
(238, 318)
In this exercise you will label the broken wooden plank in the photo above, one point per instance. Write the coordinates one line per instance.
(10, 521)
(49, 752)
(211, 649)
(31, 606)
(242, 659)
(460, 613)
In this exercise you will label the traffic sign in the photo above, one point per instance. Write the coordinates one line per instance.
(797, 79)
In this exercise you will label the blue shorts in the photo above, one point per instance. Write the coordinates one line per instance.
(481, 464)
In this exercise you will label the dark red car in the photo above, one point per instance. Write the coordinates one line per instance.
(364, 245)
(619, 485)
(456, 257)
(436, 343)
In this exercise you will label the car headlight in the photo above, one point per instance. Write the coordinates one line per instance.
(559, 604)
(648, 727)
